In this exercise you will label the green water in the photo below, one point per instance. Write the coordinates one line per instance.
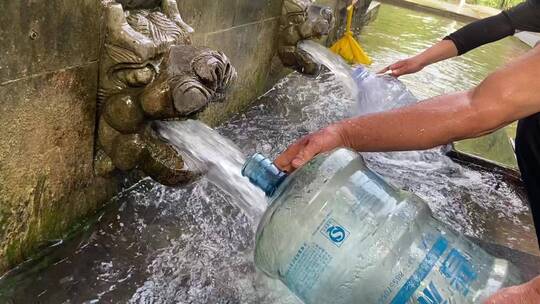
(399, 33)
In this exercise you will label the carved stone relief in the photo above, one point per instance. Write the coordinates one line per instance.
(150, 71)
(301, 20)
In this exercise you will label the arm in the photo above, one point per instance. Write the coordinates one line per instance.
(506, 95)
(440, 51)
(482, 32)
(463, 40)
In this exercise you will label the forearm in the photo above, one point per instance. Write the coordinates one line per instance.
(469, 37)
(442, 50)
(431, 123)
(507, 95)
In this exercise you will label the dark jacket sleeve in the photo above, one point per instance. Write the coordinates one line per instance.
(522, 17)
(481, 32)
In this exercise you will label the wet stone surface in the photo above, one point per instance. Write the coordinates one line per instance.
(152, 245)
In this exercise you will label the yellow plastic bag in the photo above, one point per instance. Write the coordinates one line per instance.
(347, 47)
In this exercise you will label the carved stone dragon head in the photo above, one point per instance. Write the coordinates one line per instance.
(301, 20)
(150, 71)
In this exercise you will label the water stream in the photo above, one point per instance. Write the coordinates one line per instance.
(220, 160)
(339, 68)
(156, 244)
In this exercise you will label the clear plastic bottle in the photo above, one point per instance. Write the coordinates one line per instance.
(377, 93)
(336, 232)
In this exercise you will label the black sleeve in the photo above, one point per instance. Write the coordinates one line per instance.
(522, 17)
(481, 32)
(525, 16)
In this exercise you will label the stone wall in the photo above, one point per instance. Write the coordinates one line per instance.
(49, 52)
(246, 30)
(48, 82)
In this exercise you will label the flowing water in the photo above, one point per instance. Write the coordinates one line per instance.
(156, 244)
(339, 68)
(220, 159)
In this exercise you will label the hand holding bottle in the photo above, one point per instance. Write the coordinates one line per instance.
(309, 146)
(404, 67)
(440, 51)
(528, 293)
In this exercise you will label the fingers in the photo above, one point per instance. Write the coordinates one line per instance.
(308, 147)
(386, 69)
(298, 154)
(398, 72)
(284, 161)
(398, 66)
(310, 150)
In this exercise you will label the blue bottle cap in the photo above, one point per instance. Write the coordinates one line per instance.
(360, 72)
(263, 173)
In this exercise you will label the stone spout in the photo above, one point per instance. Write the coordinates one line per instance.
(150, 71)
(301, 20)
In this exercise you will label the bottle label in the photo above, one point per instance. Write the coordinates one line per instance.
(456, 270)
(336, 233)
(425, 267)
(306, 267)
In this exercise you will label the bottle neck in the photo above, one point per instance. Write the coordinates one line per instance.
(263, 173)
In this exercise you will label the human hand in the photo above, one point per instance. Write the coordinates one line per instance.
(528, 293)
(308, 147)
(404, 67)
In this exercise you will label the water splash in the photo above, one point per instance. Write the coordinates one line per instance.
(374, 93)
(221, 159)
(338, 67)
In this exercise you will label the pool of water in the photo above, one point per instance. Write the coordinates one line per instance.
(418, 31)
(399, 33)
(156, 244)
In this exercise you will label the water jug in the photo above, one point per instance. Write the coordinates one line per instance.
(377, 93)
(336, 232)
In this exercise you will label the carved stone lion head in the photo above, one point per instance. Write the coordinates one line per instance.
(150, 71)
(190, 78)
(301, 20)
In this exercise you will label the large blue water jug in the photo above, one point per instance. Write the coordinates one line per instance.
(336, 232)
